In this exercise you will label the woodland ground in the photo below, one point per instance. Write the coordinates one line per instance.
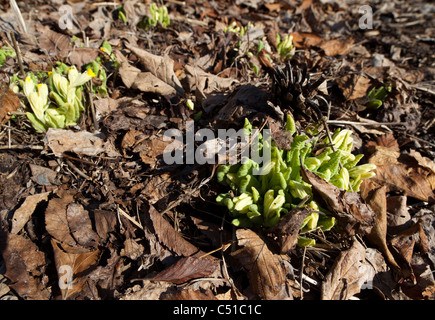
(95, 201)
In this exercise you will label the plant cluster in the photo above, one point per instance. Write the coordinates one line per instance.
(6, 52)
(158, 15)
(57, 103)
(377, 95)
(264, 198)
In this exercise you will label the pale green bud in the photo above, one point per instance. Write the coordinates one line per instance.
(361, 170)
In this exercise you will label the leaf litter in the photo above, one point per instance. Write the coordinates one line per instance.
(92, 211)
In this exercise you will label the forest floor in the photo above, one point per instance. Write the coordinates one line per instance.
(92, 211)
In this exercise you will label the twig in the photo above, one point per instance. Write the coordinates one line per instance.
(18, 52)
(21, 147)
(125, 215)
(17, 12)
(78, 171)
(302, 274)
(365, 123)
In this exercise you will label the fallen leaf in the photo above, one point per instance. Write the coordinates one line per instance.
(189, 268)
(25, 267)
(132, 249)
(205, 82)
(73, 268)
(347, 275)
(80, 226)
(377, 199)
(82, 56)
(9, 102)
(337, 47)
(43, 176)
(265, 272)
(288, 228)
(189, 294)
(56, 222)
(160, 67)
(24, 212)
(305, 39)
(386, 140)
(352, 212)
(399, 173)
(353, 86)
(168, 236)
(53, 43)
(81, 142)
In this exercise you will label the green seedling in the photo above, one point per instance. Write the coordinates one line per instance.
(121, 14)
(157, 15)
(264, 198)
(98, 67)
(57, 103)
(6, 52)
(285, 46)
(377, 96)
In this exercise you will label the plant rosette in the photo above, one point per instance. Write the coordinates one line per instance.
(265, 198)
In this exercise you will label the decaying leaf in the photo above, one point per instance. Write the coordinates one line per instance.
(25, 267)
(354, 86)
(168, 236)
(352, 212)
(9, 102)
(73, 268)
(25, 211)
(288, 228)
(189, 268)
(160, 67)
(205, 82)
(265, 271)
(80, 226)
(81, 142)
(377, 200)
(189, 294)
(400, 173)
(347, 275)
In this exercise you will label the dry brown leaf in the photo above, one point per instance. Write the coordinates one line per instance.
(80, 226)
(265, 272)
(377, 199)
(56, 221)
(9, 102)
(189, 294)
(399, 174)
(160, 67)
(25, 211)
(288, 228)
(386, 140)
(80, 142)
(347, 275)
(352, 213)
(169, 237)
(353, 86)
(53, 43)
(305, 39)
(198, 79)
(81, 56)
(189, 268)
(73, 268)
(25, 267)
(337, 47)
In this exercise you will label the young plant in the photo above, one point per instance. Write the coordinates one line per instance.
(264, 198)
(98, 67)
(6, 52)
(58, 104)
(158, 14)
(285, 46)
(377, 96)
